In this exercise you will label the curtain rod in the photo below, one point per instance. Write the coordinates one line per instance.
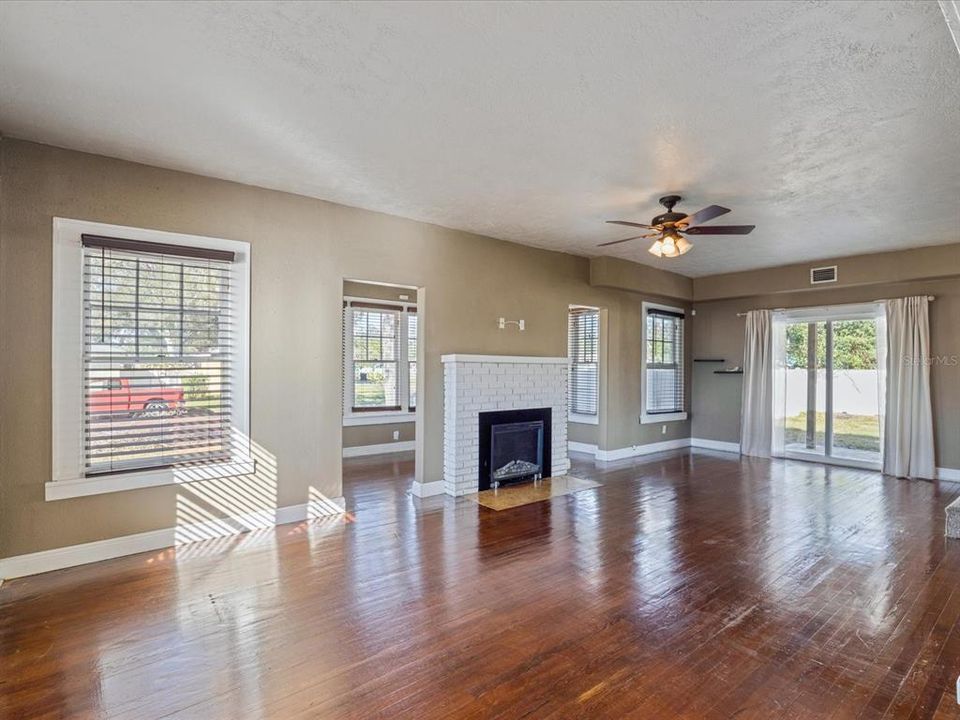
(931, 298)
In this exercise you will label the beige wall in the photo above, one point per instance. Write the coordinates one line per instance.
(359, 435)
(611, 272)
(302, 250)
(938, 261)
(718, 333)
(583, 433)
(621, 428)
(620, 391)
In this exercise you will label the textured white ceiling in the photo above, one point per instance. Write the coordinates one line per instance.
(834, 127)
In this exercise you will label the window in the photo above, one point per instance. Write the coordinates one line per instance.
(375, 372)
(663, 371)
(380, 358)
(583, 350)
(150, 358)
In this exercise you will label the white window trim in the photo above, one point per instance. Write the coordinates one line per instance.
(661, 418)
(584, 419)
(384, 418)
(67, 355)
(373, 417)
(646, 419)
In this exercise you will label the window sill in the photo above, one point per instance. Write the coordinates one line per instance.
(662, 418)
(376, 418)
(584, 419)
(81, 487)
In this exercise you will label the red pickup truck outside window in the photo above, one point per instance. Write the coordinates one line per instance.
(119, 396)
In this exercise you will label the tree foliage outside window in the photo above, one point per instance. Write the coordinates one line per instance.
(854, 345)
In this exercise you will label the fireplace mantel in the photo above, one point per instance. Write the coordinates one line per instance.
(503, 359)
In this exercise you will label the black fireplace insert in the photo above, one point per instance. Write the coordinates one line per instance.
(514, 446)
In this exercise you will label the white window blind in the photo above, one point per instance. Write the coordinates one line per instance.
(582, 348)
(412, 358)
(664, 362)
(380, 357)
(158, 342)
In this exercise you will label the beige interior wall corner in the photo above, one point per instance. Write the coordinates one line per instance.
(611, 272)
(878, 269)
(302, 250)
(719, 333)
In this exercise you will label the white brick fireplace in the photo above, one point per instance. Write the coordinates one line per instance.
(483, 383)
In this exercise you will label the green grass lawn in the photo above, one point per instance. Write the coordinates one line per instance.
(370, 394)
(855, 432)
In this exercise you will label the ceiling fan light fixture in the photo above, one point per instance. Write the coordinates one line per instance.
(669, 248)
(670, 224)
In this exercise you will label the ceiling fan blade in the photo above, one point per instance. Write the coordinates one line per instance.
(635, 237)
(630, 224)
(720, 230)
(701, 216)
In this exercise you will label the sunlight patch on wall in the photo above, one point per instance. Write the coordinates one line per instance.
(217, 507)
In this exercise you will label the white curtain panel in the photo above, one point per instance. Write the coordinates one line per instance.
(756, 421)
(908, 426)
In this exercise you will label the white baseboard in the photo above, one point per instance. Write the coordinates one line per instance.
(649, 448)
(730, 447)
(380, 449)
(72, 555)
(582, 447)
(638, 450)
(427, 489)
(951, 474)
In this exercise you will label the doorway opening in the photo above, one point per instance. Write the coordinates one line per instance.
(829, 384)
(381, 393)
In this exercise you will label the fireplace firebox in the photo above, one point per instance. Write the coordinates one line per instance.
(514, 446)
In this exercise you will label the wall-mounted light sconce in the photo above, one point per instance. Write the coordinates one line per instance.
(503, 322)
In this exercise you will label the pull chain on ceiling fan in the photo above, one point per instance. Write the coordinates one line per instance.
(670, 227)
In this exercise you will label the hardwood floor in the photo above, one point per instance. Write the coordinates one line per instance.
(686, 586)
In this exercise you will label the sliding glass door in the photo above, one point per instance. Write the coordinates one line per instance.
(856, 417)
(828, 385)
(805, 415)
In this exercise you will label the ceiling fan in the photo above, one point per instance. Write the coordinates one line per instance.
(670, 227)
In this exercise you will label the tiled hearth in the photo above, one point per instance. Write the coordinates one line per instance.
(481, 383)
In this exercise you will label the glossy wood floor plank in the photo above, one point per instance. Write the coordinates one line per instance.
(688, 585)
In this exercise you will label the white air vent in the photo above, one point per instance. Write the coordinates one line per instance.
(823, 275)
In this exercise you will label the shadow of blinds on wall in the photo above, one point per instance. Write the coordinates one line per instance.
(583, 329)
(158, 338)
